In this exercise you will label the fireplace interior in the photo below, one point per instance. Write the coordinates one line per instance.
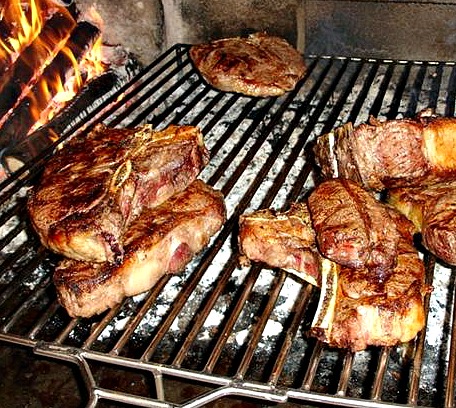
(221, 334)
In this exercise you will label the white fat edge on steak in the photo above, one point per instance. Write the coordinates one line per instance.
(302, 275)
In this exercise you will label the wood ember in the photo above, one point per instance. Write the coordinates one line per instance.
(16, 154)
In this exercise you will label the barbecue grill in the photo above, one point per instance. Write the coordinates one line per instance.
(235, 330)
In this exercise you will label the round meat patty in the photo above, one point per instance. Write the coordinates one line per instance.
(258, 65)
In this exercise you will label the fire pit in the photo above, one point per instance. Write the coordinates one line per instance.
(232, 330)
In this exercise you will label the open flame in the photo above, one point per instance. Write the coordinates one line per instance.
(24, 23)
(22, 28)
(60, 92)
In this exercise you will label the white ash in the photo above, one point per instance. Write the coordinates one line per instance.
(438, 328)
(9, 225)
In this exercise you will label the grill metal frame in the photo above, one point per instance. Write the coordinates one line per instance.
(334, 91)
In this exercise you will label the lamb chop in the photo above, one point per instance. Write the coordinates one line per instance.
(93, 188)
(281, 239)
(162, 240)
(392, 153)
(432, 210)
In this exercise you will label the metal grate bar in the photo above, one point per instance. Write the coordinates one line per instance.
(377, 387)
(259, 158)
(399, 92)
(297, 315)
(151, 298)
(181, 299)
(40, 323)
(234, 151)
(367, 84)
(435, 88)
(450, 386)
(14, 285)
(227, 327)
(347, 367)
(332, 117)
(25, 305)
(312, 366)
(420, 341)
(202, 315)
(378, 102)
(259, 325)
(450, 100)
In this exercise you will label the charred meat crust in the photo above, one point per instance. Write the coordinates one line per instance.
(160, 241)
(432, 209)
(376, 296)
(258, 65)
(393, 153)
(281, 239)
(96, 185)
(352, 227)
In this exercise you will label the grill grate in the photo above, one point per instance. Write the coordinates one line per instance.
(237, 330)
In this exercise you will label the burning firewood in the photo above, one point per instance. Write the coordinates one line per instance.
(26, 113)
(31, 62)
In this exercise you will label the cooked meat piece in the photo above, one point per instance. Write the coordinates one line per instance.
(96, 185)
(258, 65)
(281, 239)
(433, 211)
(352, 227)
(372, 307)
(392, 153)
(161, 240)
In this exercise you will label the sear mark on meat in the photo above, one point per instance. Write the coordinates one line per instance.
(392, 153)
(162, 240)
(258, 65)
(371, 277)
(432, 209)
(281, 239)
(352, 227)
(94, 187)
(372, 306)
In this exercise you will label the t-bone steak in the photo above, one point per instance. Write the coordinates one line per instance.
(94, 187)
(160, 241)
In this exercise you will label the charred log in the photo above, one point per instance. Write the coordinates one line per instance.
(26, 70)
(16, 128)
(17, 154)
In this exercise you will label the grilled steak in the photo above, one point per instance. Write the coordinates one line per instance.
(352, 227)
(257, 65)
(161, 240)
(281, 239)
(96, 185)
(370, 306)
(432, 210)
(392, 153)
(370, 274)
